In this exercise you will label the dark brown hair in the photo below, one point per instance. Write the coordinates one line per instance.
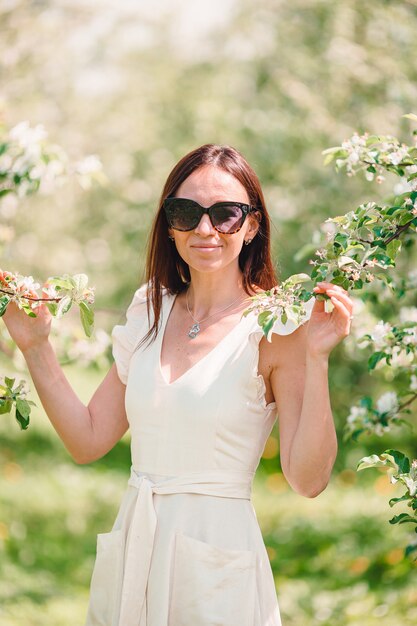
(164, 266)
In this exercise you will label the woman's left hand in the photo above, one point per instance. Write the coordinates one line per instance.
(326, 330)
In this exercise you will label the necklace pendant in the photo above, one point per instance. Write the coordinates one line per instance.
(194, 330)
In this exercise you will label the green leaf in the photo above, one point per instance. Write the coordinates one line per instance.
(268, 326)
(375, 358)
(64, 305)
(52, 307)
(393, 248)
(400, 459)
(5, 406)
(263, 317)
(294, 279)
(371, 461)
(9, 381)
(329, 158)
(382, 259)
(366, 402)
(4, 301)
(23, 407)
(61, 282)
(341, 238)
(395, 500)
(334, 150)
(344, 260)
(341, 280)
(410, 548)
(81, 281)
(22, 420)
(402, 518)
(4, 192)
(87, 318)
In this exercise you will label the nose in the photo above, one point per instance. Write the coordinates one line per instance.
(205, 227)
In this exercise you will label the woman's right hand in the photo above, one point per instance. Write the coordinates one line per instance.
(28, 332)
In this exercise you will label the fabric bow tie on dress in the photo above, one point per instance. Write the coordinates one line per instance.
(140, 537)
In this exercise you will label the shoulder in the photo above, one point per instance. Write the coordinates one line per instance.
(140, 299)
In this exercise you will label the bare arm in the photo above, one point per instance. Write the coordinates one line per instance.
(88, 432)
(299, 381)
(308, 442)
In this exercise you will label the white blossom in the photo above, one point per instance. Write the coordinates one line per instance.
(26, 283)
(379, 333)
(411, 484)
(411, 337)
(380, 430)
(356, 412)
(26, 136)
(396, 157)
(388, 402)
(400, 358)
(353, 158)
(50, 292)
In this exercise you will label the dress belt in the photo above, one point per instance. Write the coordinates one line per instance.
(141, 533)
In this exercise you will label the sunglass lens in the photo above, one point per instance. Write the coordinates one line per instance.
(184, 216)
(228, 218)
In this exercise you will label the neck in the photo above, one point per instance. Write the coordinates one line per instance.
(210, 292)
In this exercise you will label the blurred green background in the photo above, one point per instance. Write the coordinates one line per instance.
(141, 84)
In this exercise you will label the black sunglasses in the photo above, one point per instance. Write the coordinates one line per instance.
(226, 217)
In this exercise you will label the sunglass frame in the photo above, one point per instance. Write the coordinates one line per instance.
(169, 207)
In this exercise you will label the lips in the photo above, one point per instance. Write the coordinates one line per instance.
(206, 247)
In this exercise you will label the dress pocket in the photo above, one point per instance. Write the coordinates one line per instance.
(211, 585)
(105, 580)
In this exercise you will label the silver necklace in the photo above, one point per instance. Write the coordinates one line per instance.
(195, 328)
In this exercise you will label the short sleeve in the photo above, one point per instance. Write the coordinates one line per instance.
(286, 328)
(126, 336)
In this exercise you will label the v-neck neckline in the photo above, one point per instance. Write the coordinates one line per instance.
(166, 311)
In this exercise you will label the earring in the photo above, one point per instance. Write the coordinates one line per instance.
(171, 237)
(247, 242)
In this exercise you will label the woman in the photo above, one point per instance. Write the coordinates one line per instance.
(200, 389)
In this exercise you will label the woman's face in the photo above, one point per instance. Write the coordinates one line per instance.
(204, 248)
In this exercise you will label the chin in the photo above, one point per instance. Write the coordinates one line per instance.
(206, 267)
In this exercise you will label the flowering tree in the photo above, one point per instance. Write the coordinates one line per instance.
(29, 164)
(362, 247)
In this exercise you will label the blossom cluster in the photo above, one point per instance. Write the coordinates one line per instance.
(369, 419)
(61, 292)
(376, 154)
(29, 163)
(284, 302)
(400, 470)
(396, 343)
(15, 287)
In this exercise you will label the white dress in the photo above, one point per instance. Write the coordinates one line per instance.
(186, 548)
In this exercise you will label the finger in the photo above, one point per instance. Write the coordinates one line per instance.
(340, 307)
(344, 297)
(319, 306)
(325, 286)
